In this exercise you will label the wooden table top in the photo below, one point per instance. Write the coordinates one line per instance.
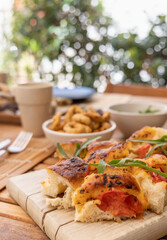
(15, 224)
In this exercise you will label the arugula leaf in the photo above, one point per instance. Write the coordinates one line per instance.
(101, 167)
(158, 143)
(61, 150)
(77, 148)
(84, 145)
(155, 147)
(126, 162)
(163, 150)
(163, 139)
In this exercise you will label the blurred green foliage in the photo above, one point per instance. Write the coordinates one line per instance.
(71, 41)
(144, 61)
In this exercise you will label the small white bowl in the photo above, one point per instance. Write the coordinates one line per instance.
(54, 137)
(129, 120)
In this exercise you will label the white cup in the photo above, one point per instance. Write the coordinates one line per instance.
(34, 101)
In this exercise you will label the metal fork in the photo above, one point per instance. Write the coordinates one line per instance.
(20, 142)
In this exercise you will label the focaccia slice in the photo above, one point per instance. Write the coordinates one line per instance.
(69, 148)
(120, 150)
(94, 146)
(64, 177)
(146, 133)
(153, 185)
(112, 195)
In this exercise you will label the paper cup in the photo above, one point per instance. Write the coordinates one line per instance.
(34, 100)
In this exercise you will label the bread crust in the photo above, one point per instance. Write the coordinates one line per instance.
(120, 150)
(69, 148)
(156, 193)
(74, 170)
(96, 184)
(100, 145)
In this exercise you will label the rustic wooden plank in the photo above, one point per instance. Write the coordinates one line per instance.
(137, 90)
(17, 230)
(9, 131)
(20, 187)
(15, 212)
(59, 224)
(40, 166)
(5, 197)
(151, 228)
(22, 162)
(50, 161)
(37, 208)
(55, 219)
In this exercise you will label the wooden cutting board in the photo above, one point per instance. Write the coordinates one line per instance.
(18, 163)
(59, 224)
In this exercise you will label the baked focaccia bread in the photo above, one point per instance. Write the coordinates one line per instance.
(138, 149)
(112, 195)
(119, 192)
(120, 150)
(94, 146)
(153, 185)
(63, 178)
(69, 148)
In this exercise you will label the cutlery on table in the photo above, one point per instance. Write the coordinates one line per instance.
(5, 143)
(20, 142)
(17, 146)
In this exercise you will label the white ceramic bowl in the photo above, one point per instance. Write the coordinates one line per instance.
(54, 137)
(129, 120)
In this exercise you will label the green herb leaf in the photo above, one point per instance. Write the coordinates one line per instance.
(148, 110)
(163, 150)
(155, 147)
(164, 138)
(126, 162)
(84, 145)
(158, 143)
(101, 166)
(77, 148)
(61, 150)
(160, 140)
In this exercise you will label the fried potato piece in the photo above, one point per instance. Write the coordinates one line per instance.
(105, 126)
(81, 118)
(56, 122)
(95, 125)
(71, 111)
(77, 120)
(106, 116)
(74, 127)
(95, 116)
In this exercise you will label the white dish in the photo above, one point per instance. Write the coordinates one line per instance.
(54, 137)
(129, 120)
